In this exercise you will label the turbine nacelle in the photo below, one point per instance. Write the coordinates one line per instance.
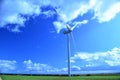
(69, 30)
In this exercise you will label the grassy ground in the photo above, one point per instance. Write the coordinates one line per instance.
(18, 77)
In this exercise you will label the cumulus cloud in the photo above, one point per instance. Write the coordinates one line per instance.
(17, 12)
(108, 58)
(68, 12)
(13, 12)
(28, 66)
(32, 67)
(7, 66)
(48, 13)
(105, 11)
(59, 25)
(73, 68)
(36, 67)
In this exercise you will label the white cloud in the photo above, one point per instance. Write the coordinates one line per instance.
(103, 10)
(36, 67)
(79, 23)
(108, 58)
(63, 69)
(48, 13)
(13, 11)
(106, 11)
(75, 68)
(6, 66)
(68, 12)
(72, 61)
(59, 25)
(32, 67)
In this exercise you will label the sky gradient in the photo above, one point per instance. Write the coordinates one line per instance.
(32, 39)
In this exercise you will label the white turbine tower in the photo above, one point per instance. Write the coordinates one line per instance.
(68, 32)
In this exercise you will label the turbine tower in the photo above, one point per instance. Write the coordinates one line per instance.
(67, 32)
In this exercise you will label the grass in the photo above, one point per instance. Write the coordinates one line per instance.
(93, 77)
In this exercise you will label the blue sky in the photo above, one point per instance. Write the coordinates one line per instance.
(32, 39)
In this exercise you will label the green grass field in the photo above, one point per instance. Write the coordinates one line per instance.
(94, 77)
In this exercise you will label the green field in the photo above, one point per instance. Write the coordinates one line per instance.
(94, 77)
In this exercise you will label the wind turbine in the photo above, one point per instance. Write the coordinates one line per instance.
(68, 32)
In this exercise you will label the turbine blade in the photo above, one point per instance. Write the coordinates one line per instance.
(68, 27)
(74, 42)
(74, 26)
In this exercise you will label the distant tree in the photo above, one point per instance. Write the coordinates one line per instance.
(88, 74)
